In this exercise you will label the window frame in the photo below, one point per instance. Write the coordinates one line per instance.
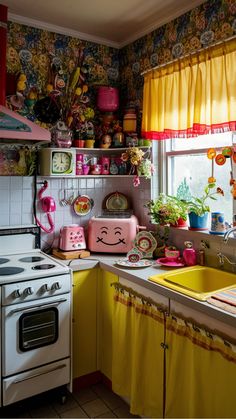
(162, 178)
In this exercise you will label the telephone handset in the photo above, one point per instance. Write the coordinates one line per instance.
(48, 205)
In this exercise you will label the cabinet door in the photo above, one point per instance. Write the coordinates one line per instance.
(105, 309)
(84, 322)
(200, 371)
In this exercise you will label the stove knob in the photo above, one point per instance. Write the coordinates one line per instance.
(28, 291)
(16, 294)
(45, 288)
(56, 286)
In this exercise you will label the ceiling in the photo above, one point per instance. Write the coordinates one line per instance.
(114, 23)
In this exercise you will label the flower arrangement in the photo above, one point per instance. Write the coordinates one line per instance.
(139, 163)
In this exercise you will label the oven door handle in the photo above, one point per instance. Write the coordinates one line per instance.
(37, 306)
(59, 367)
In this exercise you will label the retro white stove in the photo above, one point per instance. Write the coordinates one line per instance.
(35, 291)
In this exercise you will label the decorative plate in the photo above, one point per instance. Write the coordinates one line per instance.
(171, 263)
(145, 242)
(117, 201)
(83, 205)
(143, 263)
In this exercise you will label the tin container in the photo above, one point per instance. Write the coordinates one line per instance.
(217, 223)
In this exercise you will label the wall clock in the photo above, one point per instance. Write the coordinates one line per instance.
(57, 162)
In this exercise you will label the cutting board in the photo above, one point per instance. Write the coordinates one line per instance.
(73, 254)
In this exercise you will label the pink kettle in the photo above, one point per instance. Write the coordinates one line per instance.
(48, 205)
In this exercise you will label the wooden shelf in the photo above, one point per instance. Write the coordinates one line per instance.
(86, 176)
(107, 150)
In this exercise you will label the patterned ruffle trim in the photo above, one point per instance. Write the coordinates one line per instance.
(194, 131)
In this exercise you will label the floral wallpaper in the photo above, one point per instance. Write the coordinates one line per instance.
(48, 59)
(51, 75)
(211, 22)
(31, 50)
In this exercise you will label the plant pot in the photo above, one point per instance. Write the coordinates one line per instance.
(180, 223)
(89, 143)
(197, 222)
(79, 143)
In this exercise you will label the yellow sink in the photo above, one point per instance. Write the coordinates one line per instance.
(199, 282)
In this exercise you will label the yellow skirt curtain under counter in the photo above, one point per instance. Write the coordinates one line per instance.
(137, 361)
(204, 386)
(192, 96)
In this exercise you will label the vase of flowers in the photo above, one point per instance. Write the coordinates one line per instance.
(139, 163)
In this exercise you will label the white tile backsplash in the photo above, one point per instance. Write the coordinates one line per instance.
(16, 182)
(16, 208)
(5, 182)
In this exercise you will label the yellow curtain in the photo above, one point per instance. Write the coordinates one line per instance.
(204, 386)
(192, 96)
(137, 361)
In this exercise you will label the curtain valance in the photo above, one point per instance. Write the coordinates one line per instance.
(192, 96)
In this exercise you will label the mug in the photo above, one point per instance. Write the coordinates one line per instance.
(217, 223)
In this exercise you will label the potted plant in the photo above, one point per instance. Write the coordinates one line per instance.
(168, 210)
(198, 207)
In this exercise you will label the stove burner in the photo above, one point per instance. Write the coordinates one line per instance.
(10, 270)
(31, 259)
(43, 266)
(3, 260)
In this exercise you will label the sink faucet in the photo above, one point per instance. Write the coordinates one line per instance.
(228, 233)
(222, 258)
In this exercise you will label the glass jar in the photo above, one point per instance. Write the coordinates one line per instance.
(113, 167)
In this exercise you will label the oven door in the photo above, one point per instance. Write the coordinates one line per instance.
(35, 333)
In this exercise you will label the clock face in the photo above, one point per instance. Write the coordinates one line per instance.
(61, 162)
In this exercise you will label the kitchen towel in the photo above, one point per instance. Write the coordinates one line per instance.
(225, 300)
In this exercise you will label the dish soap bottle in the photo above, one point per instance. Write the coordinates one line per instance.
(189, 254)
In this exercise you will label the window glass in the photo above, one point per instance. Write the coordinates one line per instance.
(203, 141)
(184, 169)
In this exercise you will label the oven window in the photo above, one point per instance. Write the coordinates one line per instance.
(38, 328)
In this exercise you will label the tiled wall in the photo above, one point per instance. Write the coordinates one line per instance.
(16, 205)
(215, 243)
(17, 200)
(16, 197)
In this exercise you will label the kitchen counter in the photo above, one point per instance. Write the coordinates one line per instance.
(139, 276)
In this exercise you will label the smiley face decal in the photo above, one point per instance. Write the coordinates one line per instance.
(110, 236)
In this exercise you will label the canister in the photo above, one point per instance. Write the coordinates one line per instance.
(217, 223)
(108, 99)
(79, 164)
(105, 163)
(130, 121)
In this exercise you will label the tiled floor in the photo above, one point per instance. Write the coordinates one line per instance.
(96, 401)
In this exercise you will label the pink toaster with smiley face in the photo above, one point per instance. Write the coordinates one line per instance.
(112, 235)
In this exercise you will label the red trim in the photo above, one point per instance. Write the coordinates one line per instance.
(87, 380)
(194, 131)
(91, 379)
(3, 53)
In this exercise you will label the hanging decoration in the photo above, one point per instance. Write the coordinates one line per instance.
(227, 152)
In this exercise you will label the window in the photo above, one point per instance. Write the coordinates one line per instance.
(183, 169)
